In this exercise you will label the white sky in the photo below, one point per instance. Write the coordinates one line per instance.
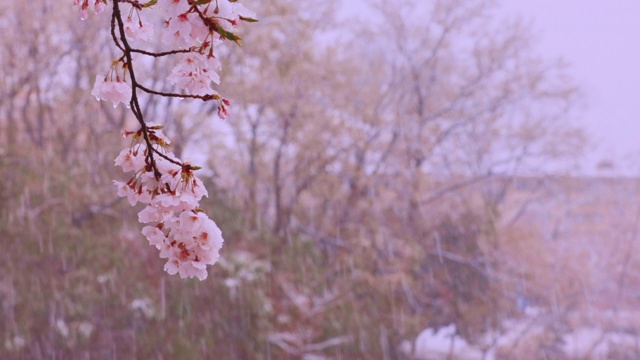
(600, 40)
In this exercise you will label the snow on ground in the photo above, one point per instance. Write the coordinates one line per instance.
(521, 336)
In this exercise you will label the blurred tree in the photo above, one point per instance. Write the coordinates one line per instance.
(370, 144)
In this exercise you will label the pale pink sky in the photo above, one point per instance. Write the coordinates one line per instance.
(600, 40)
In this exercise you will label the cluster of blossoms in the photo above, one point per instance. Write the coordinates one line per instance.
(114, 90)
(183, 233)
(191, 29)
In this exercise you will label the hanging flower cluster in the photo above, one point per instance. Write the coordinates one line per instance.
(183, 233)
(169, 188)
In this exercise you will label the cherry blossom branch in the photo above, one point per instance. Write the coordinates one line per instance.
(161, 54)
(113, 30)
(182, 96)
(169, 159)
(178, 227)
(135, 105)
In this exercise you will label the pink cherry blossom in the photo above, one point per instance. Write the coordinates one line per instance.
(173, 8)
(114, 91)
(136, 29)
(209, 236)
(195, 73)
(223, 113)
(130, 160)
(230, 13)
(154, 214)
(98, 7)
(155, 236)
(132, 193)
(172, 266)
(189, 269)
(178, 32)
(199, 30)
(196, 188)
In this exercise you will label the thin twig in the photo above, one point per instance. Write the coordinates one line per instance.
(161, 54)
(184, 96)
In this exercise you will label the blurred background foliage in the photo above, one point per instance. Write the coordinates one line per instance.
(360, 185)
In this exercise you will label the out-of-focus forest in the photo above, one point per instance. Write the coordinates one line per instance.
(394, 188)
